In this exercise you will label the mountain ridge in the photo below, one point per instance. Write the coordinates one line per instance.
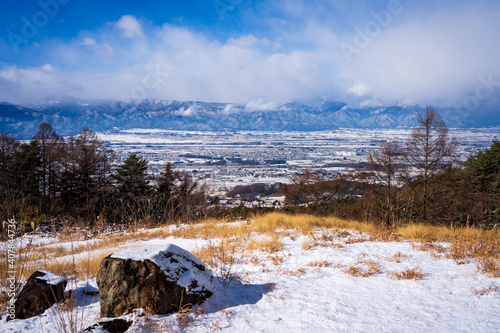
(68, 116)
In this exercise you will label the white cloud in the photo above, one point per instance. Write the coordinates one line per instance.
(103, 49)
(189, 112)
(436, 59)
(230, 108)
(370, 103)
(48, 68)
(260, 105)
(359, 89)
(423, 57)
(130, 26)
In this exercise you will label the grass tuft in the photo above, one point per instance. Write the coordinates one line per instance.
(268, 244)
(363, 268)
(493, 288)
(408, 274)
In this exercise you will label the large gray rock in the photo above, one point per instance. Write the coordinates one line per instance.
(40, 292)
(160, 279)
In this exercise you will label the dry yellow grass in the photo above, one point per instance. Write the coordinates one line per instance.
(423, 232)
(408, 274)
(211, 229)
(493, 288)
(363, 268)
(272, 222)
(268, 244)
(466, 244)
(323, 263)
(437, 251)
(276, 260)
(398, 257)
(489, 267)
(298, 272)
(222, 257)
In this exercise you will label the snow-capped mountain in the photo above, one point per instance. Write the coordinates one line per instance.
(68, 116)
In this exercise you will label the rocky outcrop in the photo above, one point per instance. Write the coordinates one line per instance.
(40, 292)
(161, 279)
(110, 326)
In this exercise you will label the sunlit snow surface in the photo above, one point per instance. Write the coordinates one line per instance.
(297, 297)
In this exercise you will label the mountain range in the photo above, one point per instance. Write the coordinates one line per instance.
(68, 116)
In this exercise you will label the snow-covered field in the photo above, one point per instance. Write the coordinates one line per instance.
(306, 287)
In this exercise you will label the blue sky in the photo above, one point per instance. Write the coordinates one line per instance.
(258, 53)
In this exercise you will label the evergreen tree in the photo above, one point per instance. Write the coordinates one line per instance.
(166, 192)
(166, 181)
(485, 167)
(85, 179)
(8, 146)
(132, 178)
(24, 170)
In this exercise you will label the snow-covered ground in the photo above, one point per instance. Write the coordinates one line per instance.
(305, 288)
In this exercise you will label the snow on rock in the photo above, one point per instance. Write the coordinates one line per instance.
(51, 278)
(162, 278)
(172, 260)
(40, 292)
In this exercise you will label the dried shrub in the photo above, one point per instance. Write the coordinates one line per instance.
(363, 268)
(222, 258)
(408, 274)
(323, 263)
(493, 288)
(398, 257)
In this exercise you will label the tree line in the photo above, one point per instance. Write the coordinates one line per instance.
(75, 180)
(418, 180)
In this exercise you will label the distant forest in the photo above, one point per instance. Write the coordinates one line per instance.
(72, 181)
(415, 181)
(53, 181)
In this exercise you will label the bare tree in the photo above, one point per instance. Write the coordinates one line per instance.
(427, 150)
(385, 165)
(299, 191)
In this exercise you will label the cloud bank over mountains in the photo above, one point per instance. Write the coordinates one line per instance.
(366, 54)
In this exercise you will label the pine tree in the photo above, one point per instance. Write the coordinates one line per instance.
(85, 179)
(24, 170)
(8, 146)
(485, 166)
(132, 178)
(166, 181)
